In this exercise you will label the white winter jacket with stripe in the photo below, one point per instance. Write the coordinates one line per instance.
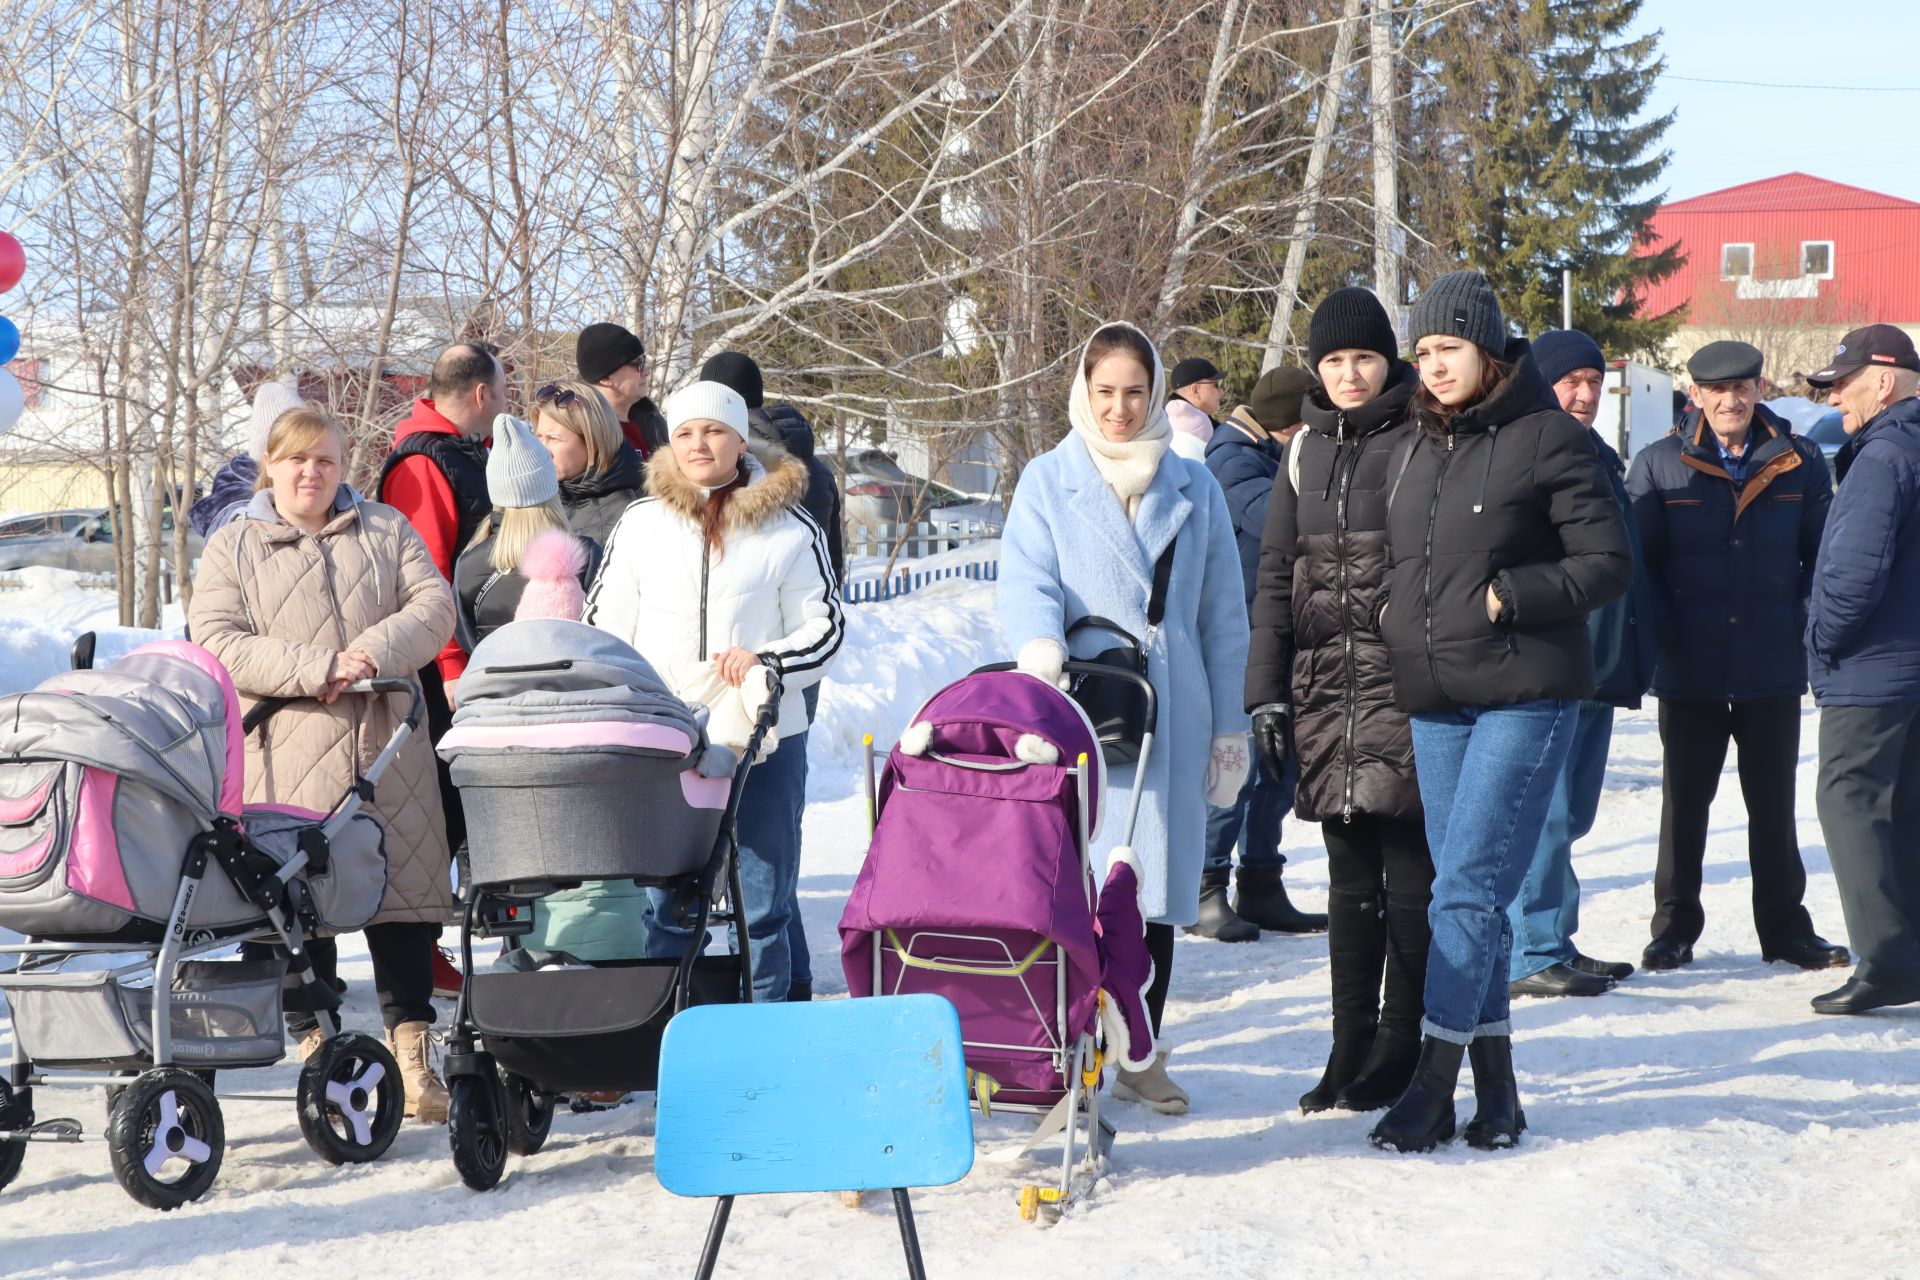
(768, 589)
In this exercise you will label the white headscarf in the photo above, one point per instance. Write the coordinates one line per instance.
(1127, 466)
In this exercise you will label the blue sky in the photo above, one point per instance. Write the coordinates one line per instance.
(1728, 134)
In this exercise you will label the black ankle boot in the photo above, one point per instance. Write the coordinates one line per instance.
(1423, 1118)
(1356, 948)
(1263, 902)
(1396, 1047)
(1217, 919)
(1497, 1120)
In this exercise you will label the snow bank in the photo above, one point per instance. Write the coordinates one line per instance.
(40, 619)
(896, 655)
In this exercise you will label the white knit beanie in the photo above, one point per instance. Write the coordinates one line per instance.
(519, 470)
(713, 401)
(270, 400)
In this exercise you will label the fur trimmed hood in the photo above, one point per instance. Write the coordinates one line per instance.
(776, 482)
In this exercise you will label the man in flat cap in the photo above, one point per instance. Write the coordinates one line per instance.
(1730, 509)
(1863, 635)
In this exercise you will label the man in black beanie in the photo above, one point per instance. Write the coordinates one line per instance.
(1196, 381)
(612, 359)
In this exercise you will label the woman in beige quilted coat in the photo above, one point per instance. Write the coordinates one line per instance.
(309, 591)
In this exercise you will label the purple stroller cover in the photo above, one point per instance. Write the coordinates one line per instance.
(993, 851)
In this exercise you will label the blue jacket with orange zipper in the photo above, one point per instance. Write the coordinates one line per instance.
(1731, 562)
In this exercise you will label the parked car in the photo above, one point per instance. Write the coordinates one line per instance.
(80, 539)
(879, 491)
(1829, 432)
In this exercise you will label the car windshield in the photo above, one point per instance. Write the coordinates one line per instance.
(1829, 430)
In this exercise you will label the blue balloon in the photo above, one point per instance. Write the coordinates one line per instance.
(9, 340)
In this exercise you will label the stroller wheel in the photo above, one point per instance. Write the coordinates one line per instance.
(477, 1128)
(351, 1099)
(529, 1115)
(166, 1138)
(13, 1154)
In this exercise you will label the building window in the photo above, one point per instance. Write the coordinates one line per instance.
(1816, 259)
(1736, 261)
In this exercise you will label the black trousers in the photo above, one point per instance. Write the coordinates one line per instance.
(439, 719)
(1370, 851)
(1160, 950)
(1694, 737)
(1869, 801)
(402, 955)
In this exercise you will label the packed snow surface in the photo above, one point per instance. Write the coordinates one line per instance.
(1699, 1123)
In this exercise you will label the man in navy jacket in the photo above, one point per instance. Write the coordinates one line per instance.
(1863, 632)
(1730, 509)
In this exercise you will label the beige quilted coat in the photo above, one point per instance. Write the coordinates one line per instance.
(275, 605)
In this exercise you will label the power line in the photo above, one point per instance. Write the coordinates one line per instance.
(1823, 88)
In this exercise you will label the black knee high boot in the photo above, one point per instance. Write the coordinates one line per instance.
(1423, 1118)
(1497, 1119)
(1396, 1047)
(1356, 946)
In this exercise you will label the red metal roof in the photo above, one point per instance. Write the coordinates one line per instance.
(1788, 193)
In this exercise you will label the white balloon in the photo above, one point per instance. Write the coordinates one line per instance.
(13, 402)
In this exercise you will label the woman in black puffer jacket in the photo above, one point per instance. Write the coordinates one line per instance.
(601, 475)
(1504, 535)
(1323, 559)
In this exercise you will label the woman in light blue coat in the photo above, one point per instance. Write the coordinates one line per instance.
(1089, 520)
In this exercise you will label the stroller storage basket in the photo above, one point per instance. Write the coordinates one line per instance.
(223, 1013)
(547, 816)
(570, 1030)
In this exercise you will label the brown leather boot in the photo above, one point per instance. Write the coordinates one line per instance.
(426, 1095)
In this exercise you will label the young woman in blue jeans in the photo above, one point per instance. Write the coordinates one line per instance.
(1504, 536)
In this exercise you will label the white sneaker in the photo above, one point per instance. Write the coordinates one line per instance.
(1152, 1088)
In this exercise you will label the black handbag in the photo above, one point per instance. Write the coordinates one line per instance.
(1118, 708)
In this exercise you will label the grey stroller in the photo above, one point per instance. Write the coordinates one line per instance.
(127, 860)
(575, 764)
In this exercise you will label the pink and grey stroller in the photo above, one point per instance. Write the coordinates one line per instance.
(979, 886)
(124, 844)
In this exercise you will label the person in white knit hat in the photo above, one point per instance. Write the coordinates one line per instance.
(233, 485)
(525, 490)
(724, 583)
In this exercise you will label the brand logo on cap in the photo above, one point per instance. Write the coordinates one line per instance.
(1882, 359)
(1843, 349)
(1460, 318)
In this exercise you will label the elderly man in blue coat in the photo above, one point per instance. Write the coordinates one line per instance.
(1730, 509)
(1863, 632)
(1245, 455)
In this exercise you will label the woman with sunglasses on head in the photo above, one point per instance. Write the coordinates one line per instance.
(488, 580)
(601, 475)
(1503, 534)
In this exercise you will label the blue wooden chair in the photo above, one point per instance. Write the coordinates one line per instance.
(838, 1095)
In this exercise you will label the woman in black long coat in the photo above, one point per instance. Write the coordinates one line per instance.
(1323, 559)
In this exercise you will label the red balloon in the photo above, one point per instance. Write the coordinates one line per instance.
(13, 262)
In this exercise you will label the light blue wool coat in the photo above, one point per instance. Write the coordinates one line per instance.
(1069, 552)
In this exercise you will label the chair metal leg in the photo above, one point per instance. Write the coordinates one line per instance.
(710, 1256)
(909, 1238)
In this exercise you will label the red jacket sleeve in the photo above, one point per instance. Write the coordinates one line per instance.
(417, 489)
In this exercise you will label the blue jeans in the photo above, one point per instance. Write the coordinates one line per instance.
(1546, 915)
(1487, 776)
(769, 828)
(802, 962)
(1252, 821)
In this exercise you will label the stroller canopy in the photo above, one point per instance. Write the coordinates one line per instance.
(166, 715)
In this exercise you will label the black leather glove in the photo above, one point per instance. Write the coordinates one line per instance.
(1271, 740)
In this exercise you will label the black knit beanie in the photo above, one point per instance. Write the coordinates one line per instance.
(736, 369)
(1350, 319)
(602, 348)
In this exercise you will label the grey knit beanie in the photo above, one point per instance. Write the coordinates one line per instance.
(1460, 304)
(519, 470)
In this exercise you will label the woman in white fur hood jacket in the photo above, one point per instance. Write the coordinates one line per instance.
(1089, 520)
(720, 579)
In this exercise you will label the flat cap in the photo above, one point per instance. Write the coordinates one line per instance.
(1724, 362)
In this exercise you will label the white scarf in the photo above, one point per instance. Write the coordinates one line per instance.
(1128, 466)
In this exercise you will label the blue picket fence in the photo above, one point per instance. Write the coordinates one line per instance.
(906, 579)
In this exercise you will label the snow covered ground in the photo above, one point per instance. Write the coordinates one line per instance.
(1703, 1123)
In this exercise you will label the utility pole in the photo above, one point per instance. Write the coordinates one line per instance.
(1566, 297)
(1386, 173)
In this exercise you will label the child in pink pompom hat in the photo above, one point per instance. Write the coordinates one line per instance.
(552, 566)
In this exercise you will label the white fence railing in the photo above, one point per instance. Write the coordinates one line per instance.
(918, 540)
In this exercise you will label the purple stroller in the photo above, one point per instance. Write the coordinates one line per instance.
(979, 886)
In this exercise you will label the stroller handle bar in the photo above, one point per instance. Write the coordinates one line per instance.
(362, 789)
(1098, 670)
(265, 709)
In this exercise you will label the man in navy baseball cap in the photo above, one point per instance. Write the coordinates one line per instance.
(1882, 346)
